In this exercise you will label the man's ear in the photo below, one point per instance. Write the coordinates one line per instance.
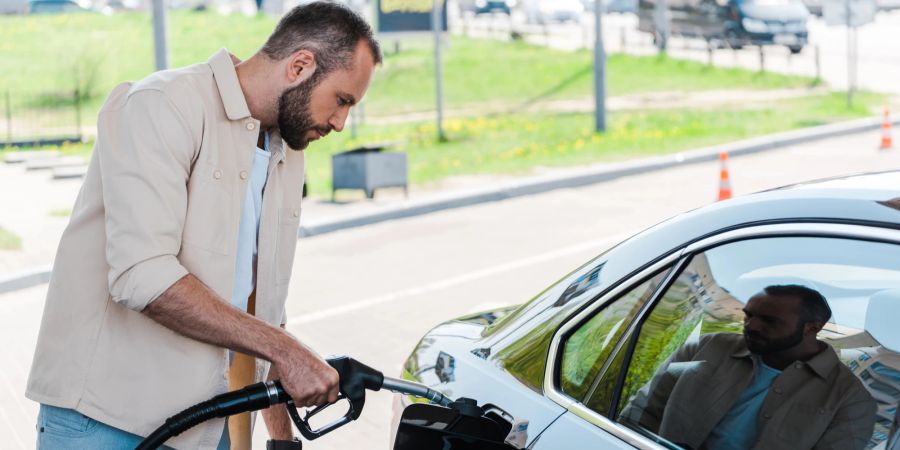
(813, 327)
(300, 66)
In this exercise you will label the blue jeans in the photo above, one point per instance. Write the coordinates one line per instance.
(60, 428)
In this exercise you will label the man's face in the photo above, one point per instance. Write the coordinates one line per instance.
(772, 324)
(321, 103)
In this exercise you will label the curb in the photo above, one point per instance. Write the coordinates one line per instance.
(534, 185)
(25, 279)
(596, 174)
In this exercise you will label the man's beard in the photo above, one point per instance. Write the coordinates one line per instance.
(295, 119)
(761, 345)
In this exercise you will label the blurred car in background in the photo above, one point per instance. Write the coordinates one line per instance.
(486, 6)
(54, 7)
(613, 6)
(734, 22)
(815, 7)
(887, 5)
(552, 11)
(13, 6)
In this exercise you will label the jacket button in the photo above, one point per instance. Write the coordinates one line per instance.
(767, 416)
(243, 174)
(777, 390)
(251, 126)
(296, 213)
(217, 174)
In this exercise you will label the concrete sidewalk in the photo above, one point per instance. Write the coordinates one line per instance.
(34, 204)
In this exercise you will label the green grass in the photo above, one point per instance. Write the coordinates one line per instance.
(516, 144)
(60, 213)
(53, 54)
(9, 241)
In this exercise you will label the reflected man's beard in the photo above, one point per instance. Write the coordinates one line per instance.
(761, 345)
(294, 116)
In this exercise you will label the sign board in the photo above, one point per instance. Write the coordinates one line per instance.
(854, 13)
(407, 15)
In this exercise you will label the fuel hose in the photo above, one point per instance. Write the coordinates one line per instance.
(251, 398)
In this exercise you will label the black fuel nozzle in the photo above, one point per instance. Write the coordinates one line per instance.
(356, 378)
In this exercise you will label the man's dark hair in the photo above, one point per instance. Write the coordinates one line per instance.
(813, 306)
(331, 31)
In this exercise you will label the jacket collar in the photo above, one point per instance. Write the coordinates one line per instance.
(822, 364)
(222, 64)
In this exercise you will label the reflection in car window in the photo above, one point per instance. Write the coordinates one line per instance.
(691, 346)
(590, 345)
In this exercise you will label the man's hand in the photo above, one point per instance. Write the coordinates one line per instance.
(192, 309)
(306, 377)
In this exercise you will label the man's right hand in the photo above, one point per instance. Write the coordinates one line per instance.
(192, 309)
(306, 377)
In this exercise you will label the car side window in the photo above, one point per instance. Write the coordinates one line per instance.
(692, 370)
(587, 349)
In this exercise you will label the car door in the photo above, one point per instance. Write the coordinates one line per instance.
(854, 267)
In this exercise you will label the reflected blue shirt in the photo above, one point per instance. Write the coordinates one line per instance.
(737, 430)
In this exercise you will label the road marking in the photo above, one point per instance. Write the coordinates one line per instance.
(455, 281)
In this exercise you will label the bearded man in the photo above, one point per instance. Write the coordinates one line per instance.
(774, 387)
(170, 281)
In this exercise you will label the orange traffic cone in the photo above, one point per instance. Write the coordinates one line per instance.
(724, 180)
(886, 141)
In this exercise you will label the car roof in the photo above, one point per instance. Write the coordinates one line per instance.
(872, 199)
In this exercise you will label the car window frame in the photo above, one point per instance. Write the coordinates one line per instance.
(680, 258)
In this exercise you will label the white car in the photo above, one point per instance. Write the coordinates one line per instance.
(553, 11)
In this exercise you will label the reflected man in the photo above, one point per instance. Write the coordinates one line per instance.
(774, 387)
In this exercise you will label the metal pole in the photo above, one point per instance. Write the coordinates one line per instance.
(438, 82)
(8, 120)
(662, 25)
(849, 56)
(818, 63)
(762, 59)
(599, 70)
(159, 35)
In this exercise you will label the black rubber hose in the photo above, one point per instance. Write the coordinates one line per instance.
(251, 398)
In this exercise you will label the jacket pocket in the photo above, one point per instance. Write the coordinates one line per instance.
(208, 219)
(804, 424)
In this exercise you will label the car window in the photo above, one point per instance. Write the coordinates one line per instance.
(691, 354)
(586, 350)
(526, 357)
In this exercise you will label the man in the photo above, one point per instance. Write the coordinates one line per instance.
(182, 238)
(774, 387)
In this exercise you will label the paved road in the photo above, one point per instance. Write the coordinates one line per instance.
(372, 292)
(879, 59)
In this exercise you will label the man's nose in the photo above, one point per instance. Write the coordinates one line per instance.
(339, 119)
(751, 325)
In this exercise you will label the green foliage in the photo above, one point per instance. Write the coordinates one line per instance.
(9, 240)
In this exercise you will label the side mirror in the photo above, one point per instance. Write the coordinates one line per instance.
(462, 426)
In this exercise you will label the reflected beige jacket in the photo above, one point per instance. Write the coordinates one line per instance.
(817, 404)
(161, 199)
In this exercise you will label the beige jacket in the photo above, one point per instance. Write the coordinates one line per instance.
(161, 199)
(817, 404)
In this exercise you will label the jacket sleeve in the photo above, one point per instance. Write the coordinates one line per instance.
(852, 425)
(145, 150)
(648, 405)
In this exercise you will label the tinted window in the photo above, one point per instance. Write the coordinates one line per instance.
(706, 304)
(589, 346)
